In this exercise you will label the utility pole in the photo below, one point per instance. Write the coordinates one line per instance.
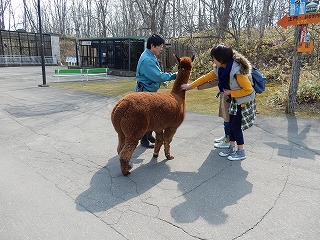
(44, 81)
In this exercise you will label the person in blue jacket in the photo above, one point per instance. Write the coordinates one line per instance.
(149, 75)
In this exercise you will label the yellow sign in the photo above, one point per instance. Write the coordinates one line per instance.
(305, 47)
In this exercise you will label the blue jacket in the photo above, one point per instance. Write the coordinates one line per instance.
(149, 73)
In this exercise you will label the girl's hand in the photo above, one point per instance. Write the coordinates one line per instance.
(227, 92)
(186, 86)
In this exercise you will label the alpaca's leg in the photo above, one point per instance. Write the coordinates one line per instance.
(121, 140)
(168, 135)
(125, 156)
(159, 142)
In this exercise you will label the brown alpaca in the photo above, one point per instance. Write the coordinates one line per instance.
(139, 112)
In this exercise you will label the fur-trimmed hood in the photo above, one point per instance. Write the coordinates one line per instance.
(246, 66)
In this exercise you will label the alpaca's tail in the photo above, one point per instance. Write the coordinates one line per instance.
(118, 112)
(116, 117)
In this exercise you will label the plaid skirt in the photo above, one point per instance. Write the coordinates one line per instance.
(248, 113)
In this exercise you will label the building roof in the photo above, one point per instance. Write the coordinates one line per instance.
(115, 38)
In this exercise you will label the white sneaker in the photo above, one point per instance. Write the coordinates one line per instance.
(222, 144)
(217, 140)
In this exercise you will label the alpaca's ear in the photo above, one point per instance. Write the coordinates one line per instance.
(192, 58)
(178, 59)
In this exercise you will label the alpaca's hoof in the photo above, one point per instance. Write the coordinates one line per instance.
(169, 157)
(125, 168)
(155, 155)
(126, 171)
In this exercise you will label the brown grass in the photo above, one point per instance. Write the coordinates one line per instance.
(199, 101)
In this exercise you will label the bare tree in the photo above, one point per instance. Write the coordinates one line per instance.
(30, 13)
(75, 10)
(224, 17)
(171, 18)
(60, 16)
(128, 19)
(102, 8)
(163, 15)
(249, 10)
(202, 23)
(88, 18)
(264, 16)
(238, 19)
(151, 11)
(4, 8)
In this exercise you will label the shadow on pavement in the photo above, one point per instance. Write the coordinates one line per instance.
(297, 138)
(224, 185)
(217, 184)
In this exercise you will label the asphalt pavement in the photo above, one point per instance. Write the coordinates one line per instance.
(60, 176)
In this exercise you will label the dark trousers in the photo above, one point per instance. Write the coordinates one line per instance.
(146, 137)
(236, 133)
(227, 129)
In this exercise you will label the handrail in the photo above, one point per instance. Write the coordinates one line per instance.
(7, 60)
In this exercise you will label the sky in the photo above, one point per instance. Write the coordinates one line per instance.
(17, 10)
(17, 6)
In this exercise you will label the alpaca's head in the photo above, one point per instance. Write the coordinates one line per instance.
(185, 63)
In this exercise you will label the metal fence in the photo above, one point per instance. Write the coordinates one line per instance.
(167, 60)
(17, 60)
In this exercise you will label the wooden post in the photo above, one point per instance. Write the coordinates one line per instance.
(296, 64)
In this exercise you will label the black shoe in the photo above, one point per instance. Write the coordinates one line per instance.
(147, 144)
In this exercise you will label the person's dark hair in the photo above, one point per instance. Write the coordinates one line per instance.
(222, 53)
(154, 39)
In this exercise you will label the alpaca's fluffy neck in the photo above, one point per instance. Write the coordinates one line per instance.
(182, 77)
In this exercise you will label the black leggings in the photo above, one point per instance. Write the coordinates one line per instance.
(236, 133)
